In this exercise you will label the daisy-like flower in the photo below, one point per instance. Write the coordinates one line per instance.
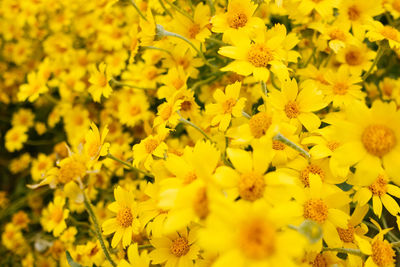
(357, 57)
(167, 113)
(238, 18)
(380, 190)
(94, 146)
(126, 222)
(369, 138)
(99, 81)
(15, 138)
(298, 106)
(323, 7)
(343, 87)
(53, 217)
(36, 85)
(258, 57)
(176, 250)
(228, 104)
(377, 32)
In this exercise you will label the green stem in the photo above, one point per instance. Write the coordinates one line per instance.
(273, 81)
(245, 114)
(129, 165)
(379, 54)
(212, 7)
(395, 244)
(215, 40)
(97, 228)
(157, 48)
(165, 8)
(145, 246)
(194, 126)
(138, 10)
(283, 139)
(201, 82)
(130, 86)
(179, 10)
(311, 57)
(356, 252)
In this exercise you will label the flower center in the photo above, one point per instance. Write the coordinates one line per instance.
(180, 247)
(257, 238)
(382, 253)
(340, 88)
(292, 109)
(353, 58)
(200, 204)
(389, 33)
(189, 177)
(316, 210)
(346, 235)
(125, 217)
(337, 34)
(71, 170)
(251, 186)
(378, 139)
(150, 145)
(332, 145)
(379, 187)
(278, 145)
(178, 83)
(228, 105)
(57, 214)
(259, 55)
(134, 110)
(319, 261)
(102, 81)
(396, 5)
(237, 20)
(186, 106)
(314, 169)
(353, 12)
(194, 30)
(259, 124)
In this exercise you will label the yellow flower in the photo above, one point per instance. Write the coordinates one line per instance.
(368, 138)
(53, 217)
(132, 108)
(257, 58)
(228, 105)
(15, 138)
(357, 57)
(377, 32)
(125, 223)
(167, 114)
(135, 259)
(23, 117)
(298, 106)
(323, 7)
(40, 166)
(94, 146)
(176, 250)
(36, 85)
(99, 81)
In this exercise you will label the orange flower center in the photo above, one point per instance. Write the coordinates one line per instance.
(259, 55)
(314, 169)
(346, 235)
(180, 247)
(259, 124)
(237, 20)
(57, 215)
(353, 57)
(125, 217)
(354, 12)
(332, 145)
(319, 261)
(340, 88)
(102, 81)
(316, 210)
(257, 238)
(134, 110)
(194, 30)
(150, 145)
(389, 33)
(382, 253)
(379, 187)
(378, 139)
(200, 204)
(190, 177)
(251, 186)
(337, 34)
(292, 109)
(278, 145)
(228, 105)
(186, 106)
(71, 170)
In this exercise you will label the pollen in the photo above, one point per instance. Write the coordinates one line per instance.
(237, 20)
(292, 109)
(251, 186)
(257, 238)
(378, 139)
(389, 33)
(337, 34)
(189, 177)
(70, 171)
(125, 217)
(332, 145)
(316, 210)
(259, 124)
(259, 55)
(57, 215)
(382, 253)
(102, 81)
(346, 235)
(353, 57)
(278, 145)
(194, 30)
(200, 203)
(379, 187)
(354, 12)
(180, 247)
(340, 88)
(319, 261)
(228, 105)
(134, 110)
(314, 169)
(150, 145)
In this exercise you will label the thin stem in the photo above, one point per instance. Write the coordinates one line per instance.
(356, 252)
(246, 114)
(379, 54)
(385, 225)
(283, 139)
(311, 57)
(194, 126)
(395, 244)
(145, 246)
(264, 88)
(138, 10)
(165, 8)
(273, 81)
(130, 86)
(157, 48)
(97, 228)
(215, 40)
(206, 81)
(212, 7)
(51, 99)
(129, 165)
(179, 10)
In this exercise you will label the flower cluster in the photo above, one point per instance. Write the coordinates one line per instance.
(182, 133)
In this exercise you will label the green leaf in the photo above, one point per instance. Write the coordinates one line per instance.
(71, 262)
